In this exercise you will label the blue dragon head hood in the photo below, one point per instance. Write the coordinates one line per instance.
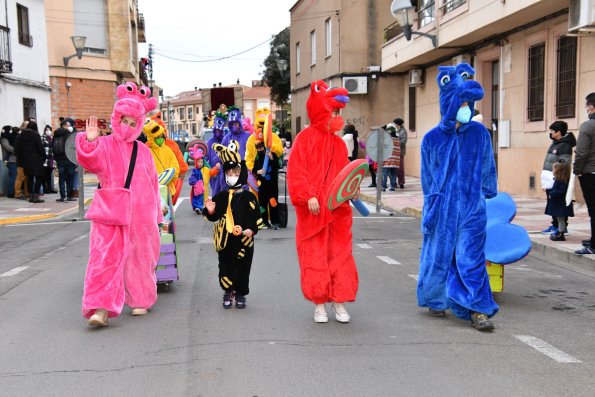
(234, 120)
(456, 87)
(219, 126)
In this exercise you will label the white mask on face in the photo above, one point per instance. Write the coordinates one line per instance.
(70, 129)
(48, 132)
(231, 180)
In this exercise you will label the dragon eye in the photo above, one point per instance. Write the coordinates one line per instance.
(465, 75)
(129, 88)
(316, 88)
(445, 80)
(142, 91)
(232, 147)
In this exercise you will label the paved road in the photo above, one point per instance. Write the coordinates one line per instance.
(190, 346)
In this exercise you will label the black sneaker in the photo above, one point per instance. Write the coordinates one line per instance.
(61, 200)
(372, 185)
(227, 300)
(240, 302)
(585, 251)
(557, 237)
(481, 322)
(71, 199)
(437, 313)
(402, 186)
(586, 243)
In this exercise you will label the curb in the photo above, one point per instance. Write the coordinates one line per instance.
(582, 262)
(33, 218)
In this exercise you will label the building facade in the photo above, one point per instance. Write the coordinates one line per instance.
(339, 41)
(533, 70)
(24, 78)
(86, 86)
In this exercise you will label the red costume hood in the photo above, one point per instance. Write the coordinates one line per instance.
(322, 102)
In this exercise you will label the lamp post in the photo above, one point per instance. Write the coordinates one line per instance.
(79, 46)
(404, 12)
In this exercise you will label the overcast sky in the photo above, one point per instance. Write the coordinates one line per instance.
(206, 29)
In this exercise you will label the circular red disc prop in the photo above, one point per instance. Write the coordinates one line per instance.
(347, 183)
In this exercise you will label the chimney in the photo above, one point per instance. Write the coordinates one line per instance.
(238, 82)
(219, 84)
(195, 88)
(214, 85)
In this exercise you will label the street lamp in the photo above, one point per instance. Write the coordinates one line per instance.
(79, 46)
(404, 12)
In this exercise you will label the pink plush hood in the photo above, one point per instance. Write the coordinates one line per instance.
(132, 102)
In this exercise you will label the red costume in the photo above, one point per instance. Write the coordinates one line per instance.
(328, 272)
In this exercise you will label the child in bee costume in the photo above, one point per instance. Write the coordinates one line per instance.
(237, 214)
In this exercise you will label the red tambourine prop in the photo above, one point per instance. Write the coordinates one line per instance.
(346, 185)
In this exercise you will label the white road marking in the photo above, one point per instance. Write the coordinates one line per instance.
(35, 209)
(414, 276)
(14, 271)
(547, 349)
(388, 260)
(364, 246)
(45, 223)
(180, 201)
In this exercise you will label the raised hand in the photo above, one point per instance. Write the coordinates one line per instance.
(91, 128)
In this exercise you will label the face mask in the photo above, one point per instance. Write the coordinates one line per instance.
(464, 114)
(159, 141)
(48, 132)
(551, 136)
(231, 180)
(70, 129)
(336, 123)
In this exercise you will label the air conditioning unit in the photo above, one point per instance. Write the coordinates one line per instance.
(463, 58)
(356, 84)
(416, 77)
(581, 15)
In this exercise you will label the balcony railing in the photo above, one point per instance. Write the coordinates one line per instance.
(26, 39)
(450, 5)
(391, 31)
(5, 60)
(425, 13)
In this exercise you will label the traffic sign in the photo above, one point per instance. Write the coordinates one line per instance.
(373, 150)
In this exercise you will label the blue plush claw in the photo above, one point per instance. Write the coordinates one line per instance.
(361, 207)
(342, 98)
(505, 243)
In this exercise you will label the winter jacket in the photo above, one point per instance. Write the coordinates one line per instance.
(61, 158)
(584, 160)
(402, 134)
(49, 155)
(30, 152)
(560, 151)
(8, 148)
(556, 200)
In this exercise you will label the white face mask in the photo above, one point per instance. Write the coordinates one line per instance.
(70, 129)
(48, 132)
(231, 180)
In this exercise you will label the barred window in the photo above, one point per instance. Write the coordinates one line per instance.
(566, 77)
(449, 5)
(536, 82)
(412, 108)
(23, 24)
(29, 109)
(425, 12)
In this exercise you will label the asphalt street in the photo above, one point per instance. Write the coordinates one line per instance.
(188, 345)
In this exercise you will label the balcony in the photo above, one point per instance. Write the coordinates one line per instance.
(460, 24)
(390, 32)
(141, 28)
(5, 60)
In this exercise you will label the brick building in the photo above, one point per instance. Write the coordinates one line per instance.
(87, 86)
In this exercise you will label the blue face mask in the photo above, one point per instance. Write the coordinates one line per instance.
(464, 115)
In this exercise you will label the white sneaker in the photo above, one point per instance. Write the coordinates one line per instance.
(139, 311)
(320, 314)
(99, 318)
(340, 312)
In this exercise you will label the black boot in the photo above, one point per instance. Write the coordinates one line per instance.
(35, 199)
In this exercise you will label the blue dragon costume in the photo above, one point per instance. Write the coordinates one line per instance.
(458, 174)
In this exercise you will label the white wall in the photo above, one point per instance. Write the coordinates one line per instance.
(30, 76)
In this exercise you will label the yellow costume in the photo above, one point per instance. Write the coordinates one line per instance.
(276, 147)
(163, 156)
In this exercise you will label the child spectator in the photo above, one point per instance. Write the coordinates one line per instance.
(556, 200)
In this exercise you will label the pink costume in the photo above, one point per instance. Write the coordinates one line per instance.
(122, 259)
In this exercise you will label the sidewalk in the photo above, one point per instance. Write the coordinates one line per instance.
(529, 215)
(19, 211)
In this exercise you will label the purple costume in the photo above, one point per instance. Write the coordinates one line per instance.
(218, 180)
(236, 133)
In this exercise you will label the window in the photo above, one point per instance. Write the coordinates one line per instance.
(263, 103)
(164, 115)
(536, 82)
(90, 21)
(425, 12)
(29, 109)
(181, 112)
(449, 5)
(298, 124)
(566, 77)
(313, 47)
(23, 22)
(190, 115)
(298, 58)
(193, 128)
(328, 37)
(412, 102)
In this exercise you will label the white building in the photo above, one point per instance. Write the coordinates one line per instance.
(24, 73)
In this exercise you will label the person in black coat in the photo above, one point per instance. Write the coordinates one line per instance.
(66, 169)
(29, 149)
(556, 200)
